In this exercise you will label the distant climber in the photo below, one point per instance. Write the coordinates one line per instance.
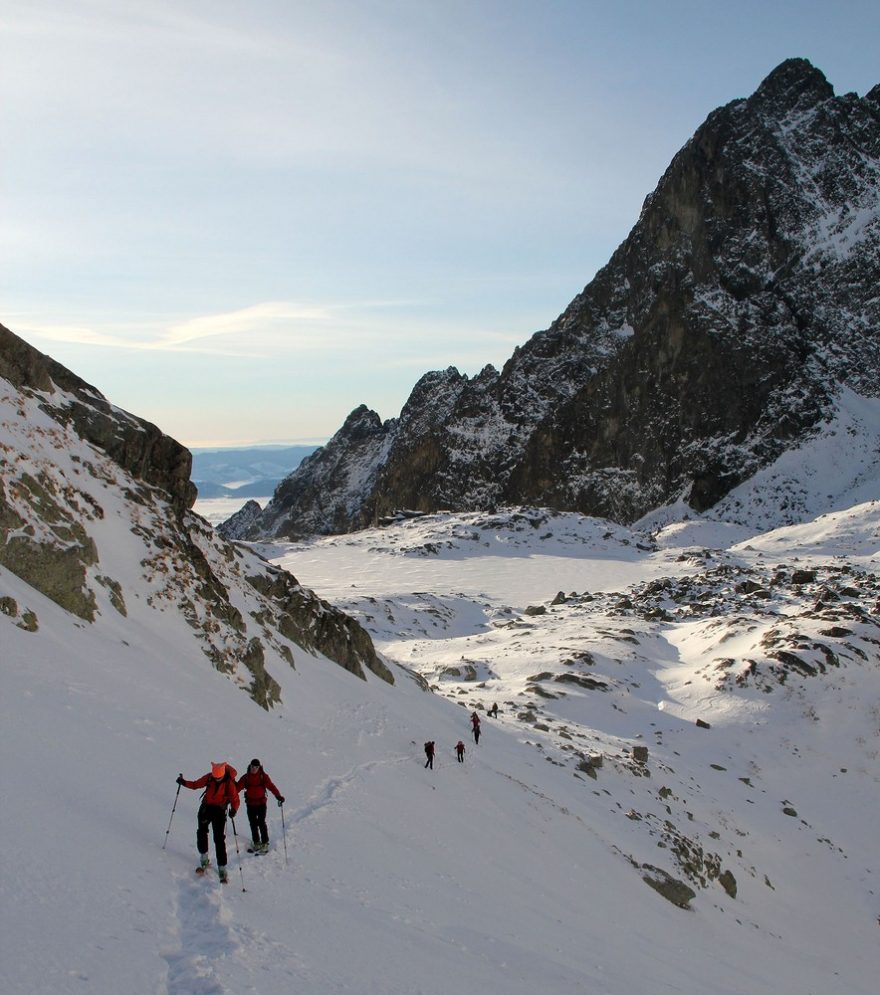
(220, 792)
(256, 782)
(493, 711)
(459, 751)
(429, 753)
(475, 726)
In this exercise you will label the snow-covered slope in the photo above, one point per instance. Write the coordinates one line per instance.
(750, 674)
(521, 870)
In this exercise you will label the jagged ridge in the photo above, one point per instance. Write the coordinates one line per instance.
(716, 337)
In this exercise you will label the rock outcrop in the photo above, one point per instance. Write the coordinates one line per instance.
(717, 336)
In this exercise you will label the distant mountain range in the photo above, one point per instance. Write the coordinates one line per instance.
(720, 334)
(246, 472)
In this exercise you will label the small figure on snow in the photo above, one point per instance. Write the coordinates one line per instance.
(459, 751)
(475, 725)
(429, 753)
(493, 711)
(220, 791)
(255, 782)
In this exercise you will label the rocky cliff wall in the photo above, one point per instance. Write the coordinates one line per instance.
(718, 335)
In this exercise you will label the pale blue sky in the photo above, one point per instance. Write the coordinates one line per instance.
(241, 220)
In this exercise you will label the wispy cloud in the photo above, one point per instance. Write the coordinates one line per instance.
(278, 330)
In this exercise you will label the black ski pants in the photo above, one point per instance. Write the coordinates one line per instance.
(257, 819)
(215, 817)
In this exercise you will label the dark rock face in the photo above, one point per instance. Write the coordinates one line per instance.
(327, 489)
(136, 445)
(238, 524)
(717, 335)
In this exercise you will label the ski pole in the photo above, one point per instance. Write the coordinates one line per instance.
(284, 836)
(235, 835)
(173, 807)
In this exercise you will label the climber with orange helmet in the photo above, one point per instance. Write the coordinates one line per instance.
(220, 792)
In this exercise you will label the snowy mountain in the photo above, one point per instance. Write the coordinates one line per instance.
(678, 793)
(720, 334)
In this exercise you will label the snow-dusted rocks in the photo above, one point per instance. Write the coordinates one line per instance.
(94, 516)
(133, 443)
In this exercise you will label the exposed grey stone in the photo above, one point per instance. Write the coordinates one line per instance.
(673, 890)
(728, 883)
(803, 576)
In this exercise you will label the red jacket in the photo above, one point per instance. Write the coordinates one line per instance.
(223, 792)
(255, 786)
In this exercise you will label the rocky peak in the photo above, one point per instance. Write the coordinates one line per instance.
(795, 83)
(238, 524)
(361, 424)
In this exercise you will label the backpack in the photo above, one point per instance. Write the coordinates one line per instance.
(230, 775)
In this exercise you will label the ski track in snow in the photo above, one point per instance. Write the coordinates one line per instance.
(327, 792)
(208, 943)
(204, 938)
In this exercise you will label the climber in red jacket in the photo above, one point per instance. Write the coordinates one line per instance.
(256, 782)
(220, 791)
